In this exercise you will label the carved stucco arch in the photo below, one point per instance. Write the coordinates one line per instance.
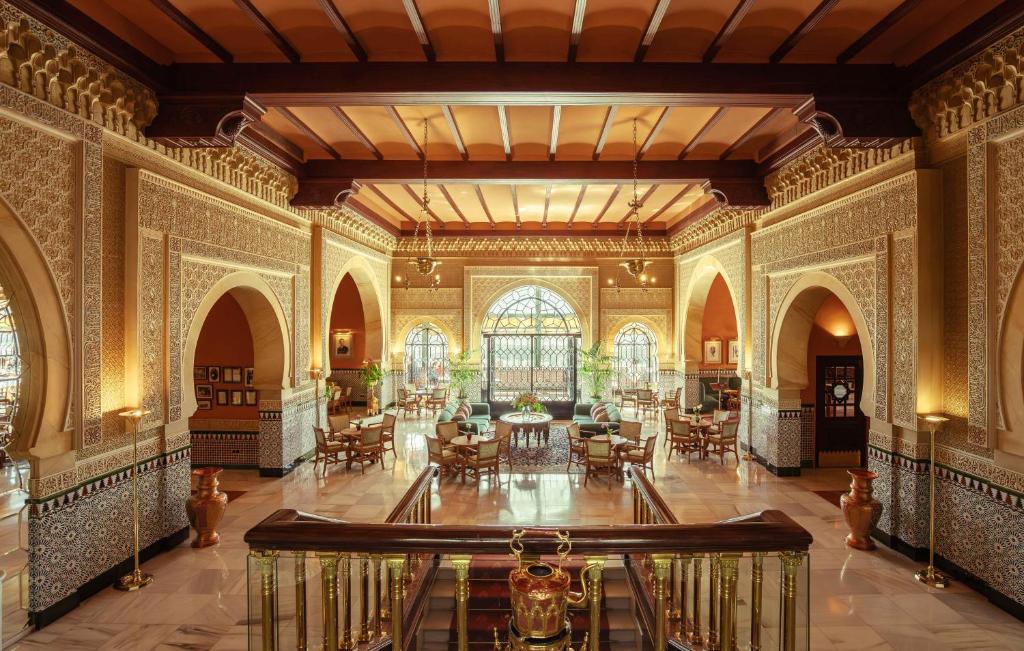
(1009, 371)
(695, 298)
(372, 301)
(44, 411)
(787, 356)
(662, 340)
(271, 343)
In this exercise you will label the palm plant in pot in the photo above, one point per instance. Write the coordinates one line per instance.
(460, 373)
(371, 375)
(596, 368)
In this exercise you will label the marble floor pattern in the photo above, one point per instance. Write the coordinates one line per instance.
(859, 600)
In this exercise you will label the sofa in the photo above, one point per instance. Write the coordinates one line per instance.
(477, 423)
(588, 426)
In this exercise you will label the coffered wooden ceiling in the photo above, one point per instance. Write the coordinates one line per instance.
(530, 104)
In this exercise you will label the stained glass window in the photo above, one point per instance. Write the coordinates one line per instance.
(531, 310)
(635, 357)
(10, 370)
(426, 356)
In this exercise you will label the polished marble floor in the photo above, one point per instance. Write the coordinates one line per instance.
(859, 600)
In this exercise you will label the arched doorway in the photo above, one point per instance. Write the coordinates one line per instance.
(820, 359)
(711, 348)
(426, 356)
(1010, 437)
(354, 330)
(634, 357)
(531, 338)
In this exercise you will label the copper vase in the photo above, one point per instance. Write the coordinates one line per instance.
(860, 509)
(206, 506)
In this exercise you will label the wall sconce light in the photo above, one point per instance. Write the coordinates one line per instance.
(842, 340)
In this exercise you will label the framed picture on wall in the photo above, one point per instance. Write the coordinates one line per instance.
(204, 392)
(205, 405)
(222, 397)
(341, 343)
(236, 398)
(734, 351)
(198, 372)
(250, 398)
(233, 374)
(214, 374)
(713, 351)
(250, 377)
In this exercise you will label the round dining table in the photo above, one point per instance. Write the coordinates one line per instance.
(530, 423)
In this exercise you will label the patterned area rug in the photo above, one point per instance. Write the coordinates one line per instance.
(542, 458)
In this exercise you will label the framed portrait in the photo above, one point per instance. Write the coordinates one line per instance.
(250, 397)
(713, 351)
(250, 377)
(205, 405)
(198, 372)
(213, 374)
(236, 398)
(341, 343)
(222, 396)
(233, 374)
(734, 351)
(204, 392)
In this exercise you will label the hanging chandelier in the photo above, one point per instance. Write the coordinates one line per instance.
(635, 266)
(424, 265)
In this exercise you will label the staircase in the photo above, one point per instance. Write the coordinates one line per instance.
(490, 607)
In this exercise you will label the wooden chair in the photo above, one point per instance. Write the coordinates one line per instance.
(685, 437)
(333, 404)
(725, 441)
(345, 402)
(444, 458)
(326, 451)
(671, 413)
(718, 417)
(446, 432)
(577, 447)
(368, 449)
(483, 458)
(503, 432)
(630, 429)
(437, 400)
(672, 401)
(387, 433)
(645, 401)
(628, 398)
(601, 460)
(336, 423)
(408, 402)
(640, 457)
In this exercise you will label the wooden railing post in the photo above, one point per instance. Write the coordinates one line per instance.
(300, 601)
(396, 566)
(461, 565)
(694, 636)
(267, 561)
(595, 575)
(790, 567)
(756, 589)
(730, 564)
(329, 598)
(662, 568)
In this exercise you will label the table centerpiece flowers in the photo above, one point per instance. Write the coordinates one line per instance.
(528, 403)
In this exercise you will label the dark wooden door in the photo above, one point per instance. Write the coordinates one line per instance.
(841, 428)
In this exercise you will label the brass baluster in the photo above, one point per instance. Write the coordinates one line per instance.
(426, 505)
(385, 601)
(756, 584)
(677, 588)
(300, 601)
(329, 598)
(396, 568)
(267, 561)
(376, 614)
(694, 636)
(364, 598)
(636, 505)
(595, 575)
(790, 566)
(685, 624)
(712, 639)
(461, 565)
(662, 567)
(730, 564)
(345, 579)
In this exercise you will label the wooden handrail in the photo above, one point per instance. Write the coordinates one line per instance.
(652, 497)
(767, 531)
(405, 505)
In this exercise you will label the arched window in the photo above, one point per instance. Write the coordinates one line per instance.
(531, 310)
(10, 369)
(635, 357)
(426, 355)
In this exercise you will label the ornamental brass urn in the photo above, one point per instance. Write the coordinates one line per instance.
(540, 598)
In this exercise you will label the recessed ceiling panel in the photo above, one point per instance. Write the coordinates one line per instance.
(383, 28)
(537, 30)
(733, 124)
(460, 30)
(232, 28)
(688, 28)
(619, 145)
(307, 28)
(480, 131)
(766, 26)
(612, 29)
(530, 131)
(578, 130)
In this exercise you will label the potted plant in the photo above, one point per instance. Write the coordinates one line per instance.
(460, 373)
(597, 368)
(371, 375)
(528, 403)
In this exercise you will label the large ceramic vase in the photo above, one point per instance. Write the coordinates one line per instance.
(206, 507)
(860, 509)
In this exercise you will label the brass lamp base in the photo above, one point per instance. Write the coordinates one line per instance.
(133, 581)
(932, 577)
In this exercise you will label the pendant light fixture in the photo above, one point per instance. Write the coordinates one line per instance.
(635, 266)
(424, 265)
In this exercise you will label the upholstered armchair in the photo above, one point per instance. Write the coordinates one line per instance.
(684, 437)
(337, 423)
(503, 432)
(437, 454)
(601, 460)
(640, 457)
(369, 448)
(577, 448)
(408, 402)
(672, 400)
(646, 400)
(630, 429)
(483, 458)
(446, 432)
(725, 440)
(671, 414)
(387, 433)
(326, 451)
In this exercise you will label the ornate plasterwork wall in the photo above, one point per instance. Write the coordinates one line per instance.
(653, 307)
(529, 246)
(415, 305)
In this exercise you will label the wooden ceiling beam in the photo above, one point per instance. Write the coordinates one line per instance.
(506, 141)
(655, 130)
(881, 27)
(404, 129)
(483, 204)
(576, 208)
(809, 23)
(731, 23)
(668, 204)
(643, 200)
(712, 121)
(607, 205)
(309, 133)
(579, 11)
(515, 202)
(416, 20)
(451, 202)
(193, 30)
(653, 25)
(334, 15)
(556, 118)
(371, 215)
(749, 133)
(356, 131)
(694, 216)
(274, 147)
(547, 205)
(391, 204)
(609, 117)
(494, 11)
(268, 29)
(453, 126)
(418, 199)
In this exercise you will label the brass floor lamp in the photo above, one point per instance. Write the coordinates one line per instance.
(929, 575)
(136, 579)
(748, 380)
